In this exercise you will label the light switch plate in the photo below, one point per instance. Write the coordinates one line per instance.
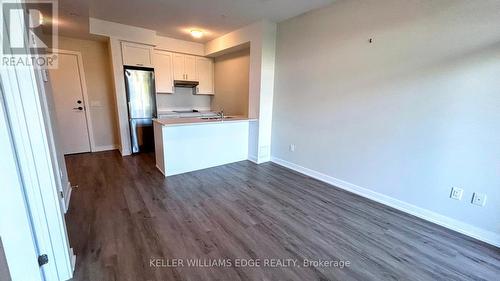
(479, 199)
(456, 193)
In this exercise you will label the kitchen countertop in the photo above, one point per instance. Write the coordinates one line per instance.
(199, 121)
(186, 114)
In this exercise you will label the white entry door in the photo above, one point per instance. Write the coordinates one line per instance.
(68, 94)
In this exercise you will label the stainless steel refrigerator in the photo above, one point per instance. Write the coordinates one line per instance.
(141, 100)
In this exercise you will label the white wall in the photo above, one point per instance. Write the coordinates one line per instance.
(115, 50)
(179, 46)
(182, 99)
(122, 31)
(261, 37)
(406, 117)
(231, 73)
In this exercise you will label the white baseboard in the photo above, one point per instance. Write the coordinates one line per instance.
(458, 226)
(73, 259)
(258, 160)
(67, 197)
(161, 171)
(105, 147)
(252, 159)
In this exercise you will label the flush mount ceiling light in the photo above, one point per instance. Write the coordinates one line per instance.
(196, 33)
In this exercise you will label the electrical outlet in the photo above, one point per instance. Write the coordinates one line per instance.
(291, 147)
(456, 193)
(479, 199)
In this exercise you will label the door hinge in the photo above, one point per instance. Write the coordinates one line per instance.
(43, 259)
(45, 75)
(61, 193)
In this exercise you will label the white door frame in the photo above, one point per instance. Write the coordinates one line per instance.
(29, 135)
(86, 101)
(16, 229)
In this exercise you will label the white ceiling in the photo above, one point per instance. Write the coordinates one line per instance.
(174, 18)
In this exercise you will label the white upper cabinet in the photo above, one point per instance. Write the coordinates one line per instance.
(164, 75)
(174, 66)
(205, 76)
(190, 67)
(184, 67)
(178, 64)
(137, 54)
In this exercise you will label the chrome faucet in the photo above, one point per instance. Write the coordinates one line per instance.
(220, 114)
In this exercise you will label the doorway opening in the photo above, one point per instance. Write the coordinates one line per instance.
(69, 92)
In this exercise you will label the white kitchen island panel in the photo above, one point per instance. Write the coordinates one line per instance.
(181, 148)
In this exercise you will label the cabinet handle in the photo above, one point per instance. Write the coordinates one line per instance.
(140, 64)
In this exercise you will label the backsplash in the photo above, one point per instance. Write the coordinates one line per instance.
(182, 99)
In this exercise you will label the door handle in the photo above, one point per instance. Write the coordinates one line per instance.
(79, 108)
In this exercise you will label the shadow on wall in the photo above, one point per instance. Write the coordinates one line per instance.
(232, 82)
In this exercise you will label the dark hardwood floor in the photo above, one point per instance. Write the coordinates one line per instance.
(125, 214)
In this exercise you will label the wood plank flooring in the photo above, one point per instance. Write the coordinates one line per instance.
(125, 214)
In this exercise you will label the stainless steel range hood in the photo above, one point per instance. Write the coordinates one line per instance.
(185, 83)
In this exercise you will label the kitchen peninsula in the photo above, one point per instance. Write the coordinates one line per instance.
(189, 144)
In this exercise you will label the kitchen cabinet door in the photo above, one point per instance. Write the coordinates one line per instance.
(178, 66)
(205, 76)
(163, 66)
(190, 67)
(137, 54)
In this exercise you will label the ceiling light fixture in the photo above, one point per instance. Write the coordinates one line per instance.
(196, 33)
